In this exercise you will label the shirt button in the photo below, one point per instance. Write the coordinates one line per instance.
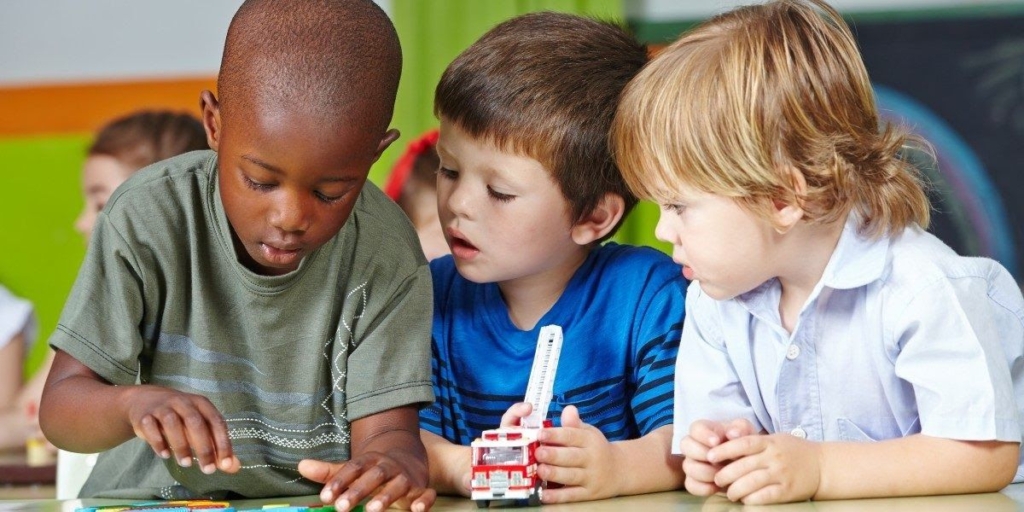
(798, 433)
(792, 352)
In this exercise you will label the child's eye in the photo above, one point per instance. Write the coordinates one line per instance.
(328, 199)
(674, 208)
(255, 185)
(447, 174)
(499, 196)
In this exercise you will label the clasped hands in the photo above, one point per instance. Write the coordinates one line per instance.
(748, 466)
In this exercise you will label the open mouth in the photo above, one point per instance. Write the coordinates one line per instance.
(281, 255)
(461, 248)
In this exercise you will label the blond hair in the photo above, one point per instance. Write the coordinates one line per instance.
(745, 100)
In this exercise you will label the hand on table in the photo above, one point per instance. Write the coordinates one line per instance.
(705, 435)
(374, 475)
(764, 469)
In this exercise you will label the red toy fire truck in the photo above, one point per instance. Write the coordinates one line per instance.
(504, 466)
(504, 461)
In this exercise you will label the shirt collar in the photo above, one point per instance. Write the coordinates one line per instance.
(856, 261)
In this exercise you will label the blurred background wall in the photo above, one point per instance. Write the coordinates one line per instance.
(67, 66)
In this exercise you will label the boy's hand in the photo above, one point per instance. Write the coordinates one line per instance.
(183, 425)
(376, 474)
(515, 414)
(580, 457)
(767, 469)
(704, 435)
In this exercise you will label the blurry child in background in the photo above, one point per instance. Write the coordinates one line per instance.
(245, 314)
(128, 144)
(121, 147)
(413, 185)
(17, 333)
(527, 194)
(833, 348)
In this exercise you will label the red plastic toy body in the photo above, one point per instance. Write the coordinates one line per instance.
(505, 466)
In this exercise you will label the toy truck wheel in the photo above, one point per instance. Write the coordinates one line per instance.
(483, 503)
(534, 499)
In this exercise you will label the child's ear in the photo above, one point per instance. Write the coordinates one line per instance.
(600, 221)
(211, 118)
(786, 215)
(385, 141)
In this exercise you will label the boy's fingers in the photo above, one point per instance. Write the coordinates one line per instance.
(708, 433)
(736, 449)
(736, 470)
(223, 453)
(200, 440)
(326, 473)
(149, 430)
(422, 499)
(392, 491)
(174, 433)
(317, 470)
(739, 428)
(571, 417)
(515, 413)
(566, 495)
(562, 475)
(699, 470)
(355, 490)
(693, 449)
(749, 484)
(565, 456)
(230, 465)
(562, 436)
(699, 488)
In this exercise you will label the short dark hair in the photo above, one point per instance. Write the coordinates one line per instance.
(148, 136)
(546, 85)
(334, 56)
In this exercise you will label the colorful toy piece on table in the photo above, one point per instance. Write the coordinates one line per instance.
(504, 459)
(206, 506)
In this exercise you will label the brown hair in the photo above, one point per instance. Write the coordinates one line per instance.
(149, 136)
(545, 85)
(738, 105)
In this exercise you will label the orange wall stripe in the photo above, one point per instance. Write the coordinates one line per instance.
(83, 108)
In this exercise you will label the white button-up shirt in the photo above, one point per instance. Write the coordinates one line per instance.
(900, 336)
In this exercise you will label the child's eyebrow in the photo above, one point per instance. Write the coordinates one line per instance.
(276, 170)
(272, 168)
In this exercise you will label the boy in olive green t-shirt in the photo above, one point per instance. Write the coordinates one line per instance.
(246, 309)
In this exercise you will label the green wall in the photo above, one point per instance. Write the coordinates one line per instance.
(39, 200)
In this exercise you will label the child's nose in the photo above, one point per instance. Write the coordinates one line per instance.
(292, 214)
(663, 232)
(458, 201)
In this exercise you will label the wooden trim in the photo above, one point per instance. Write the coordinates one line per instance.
(77, 108)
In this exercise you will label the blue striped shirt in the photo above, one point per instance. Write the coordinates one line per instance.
(621, 315)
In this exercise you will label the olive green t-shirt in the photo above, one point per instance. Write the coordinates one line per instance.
(288, 360)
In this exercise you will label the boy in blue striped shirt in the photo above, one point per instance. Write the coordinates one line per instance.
(527, 193)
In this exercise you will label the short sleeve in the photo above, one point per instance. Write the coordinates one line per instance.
(955, 340)
(16, 317)
(707, 385)
(397, 347)
(100, 323)
(659, 331)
